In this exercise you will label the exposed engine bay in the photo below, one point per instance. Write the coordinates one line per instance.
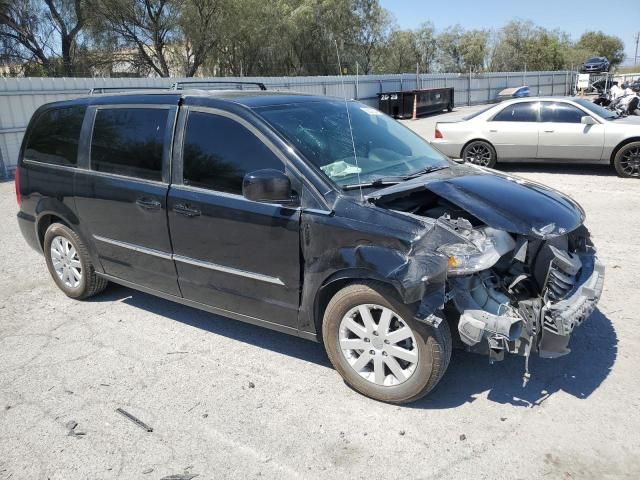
(508, 292)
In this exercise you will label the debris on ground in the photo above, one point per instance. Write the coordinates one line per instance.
(402, 432)
(146, 471)
(180, 476)
(71, 427)
(463, 437)
(252, 385)
(135, 420)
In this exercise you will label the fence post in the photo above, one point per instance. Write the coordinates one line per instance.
(469, 91)
(553, 82)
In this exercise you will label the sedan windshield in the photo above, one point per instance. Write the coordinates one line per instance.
(384, 149)
(597, 109)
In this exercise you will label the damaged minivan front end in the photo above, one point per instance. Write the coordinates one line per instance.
(521, 270)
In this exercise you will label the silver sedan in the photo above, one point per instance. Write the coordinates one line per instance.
(544, 129)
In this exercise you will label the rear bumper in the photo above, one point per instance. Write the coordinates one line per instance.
(27, 224)
(451, 150)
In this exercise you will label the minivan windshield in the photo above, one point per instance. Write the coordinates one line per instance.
(384, 149)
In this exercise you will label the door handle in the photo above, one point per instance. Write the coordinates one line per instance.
(148, 203)
(186, 210)
(548, 131)
(493, 130)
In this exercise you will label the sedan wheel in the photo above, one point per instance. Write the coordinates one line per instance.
(480, 153)
(627, 161)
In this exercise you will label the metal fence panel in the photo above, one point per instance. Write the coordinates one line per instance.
(20, 97)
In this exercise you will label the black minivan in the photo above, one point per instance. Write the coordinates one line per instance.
(313, 216)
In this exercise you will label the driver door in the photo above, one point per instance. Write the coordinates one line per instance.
(231, 253)
(562, 136)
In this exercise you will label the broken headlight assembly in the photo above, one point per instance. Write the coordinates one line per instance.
(479, 248)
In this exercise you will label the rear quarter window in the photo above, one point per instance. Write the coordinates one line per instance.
(55, 135)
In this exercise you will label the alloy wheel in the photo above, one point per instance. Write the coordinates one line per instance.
(478, 154)
(630, 162)
(378, 345)
(66, 262)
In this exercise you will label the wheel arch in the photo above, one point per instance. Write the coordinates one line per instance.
(624, 142)
(45, 220)
(337, 282)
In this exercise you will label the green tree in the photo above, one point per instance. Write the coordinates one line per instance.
(603, 45)
(400, 54)
(427, 46)
(474, 49)
(42, 32)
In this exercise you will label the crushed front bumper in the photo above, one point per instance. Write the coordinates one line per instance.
(561, 317)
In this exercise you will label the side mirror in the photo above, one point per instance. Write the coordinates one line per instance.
(268, 186)
(588, 120)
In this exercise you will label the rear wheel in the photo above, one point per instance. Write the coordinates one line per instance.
(627, 161)
(373, 341)
(69, 263)
(480, 153)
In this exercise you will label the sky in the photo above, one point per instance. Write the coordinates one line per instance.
(614, 17)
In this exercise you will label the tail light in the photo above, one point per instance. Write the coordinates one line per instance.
(438, 134)
(17, 184)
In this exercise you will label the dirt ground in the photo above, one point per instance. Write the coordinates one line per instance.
(230, 400)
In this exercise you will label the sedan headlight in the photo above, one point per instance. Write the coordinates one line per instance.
(481, 250)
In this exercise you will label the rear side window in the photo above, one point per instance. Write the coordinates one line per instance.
(129, 141)
(219, 151)
(518, 112)
(560, 113)
(54, 136)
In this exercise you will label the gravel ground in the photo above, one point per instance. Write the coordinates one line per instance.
(230, 400)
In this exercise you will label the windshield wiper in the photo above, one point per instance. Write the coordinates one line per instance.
(424, 171)
(393, 180)
(378, 182)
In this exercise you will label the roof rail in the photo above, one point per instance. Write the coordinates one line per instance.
(181, 84)
(97, 90)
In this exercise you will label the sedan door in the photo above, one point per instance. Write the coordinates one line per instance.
(514, 131)
(562, 136)
(231, 253)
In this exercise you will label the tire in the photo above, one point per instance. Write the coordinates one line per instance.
(450, 108)
(627, 161)
(429, 347)
(480, 153)
(73, 273)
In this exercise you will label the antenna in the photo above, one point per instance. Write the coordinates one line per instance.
(346, 106)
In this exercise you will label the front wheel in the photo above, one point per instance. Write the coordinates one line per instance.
(379, 349)
(480, 153)
(627, 161)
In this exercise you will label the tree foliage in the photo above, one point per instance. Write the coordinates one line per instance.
(268, 37)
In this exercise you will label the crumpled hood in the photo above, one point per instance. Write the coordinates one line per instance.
(502, 201)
